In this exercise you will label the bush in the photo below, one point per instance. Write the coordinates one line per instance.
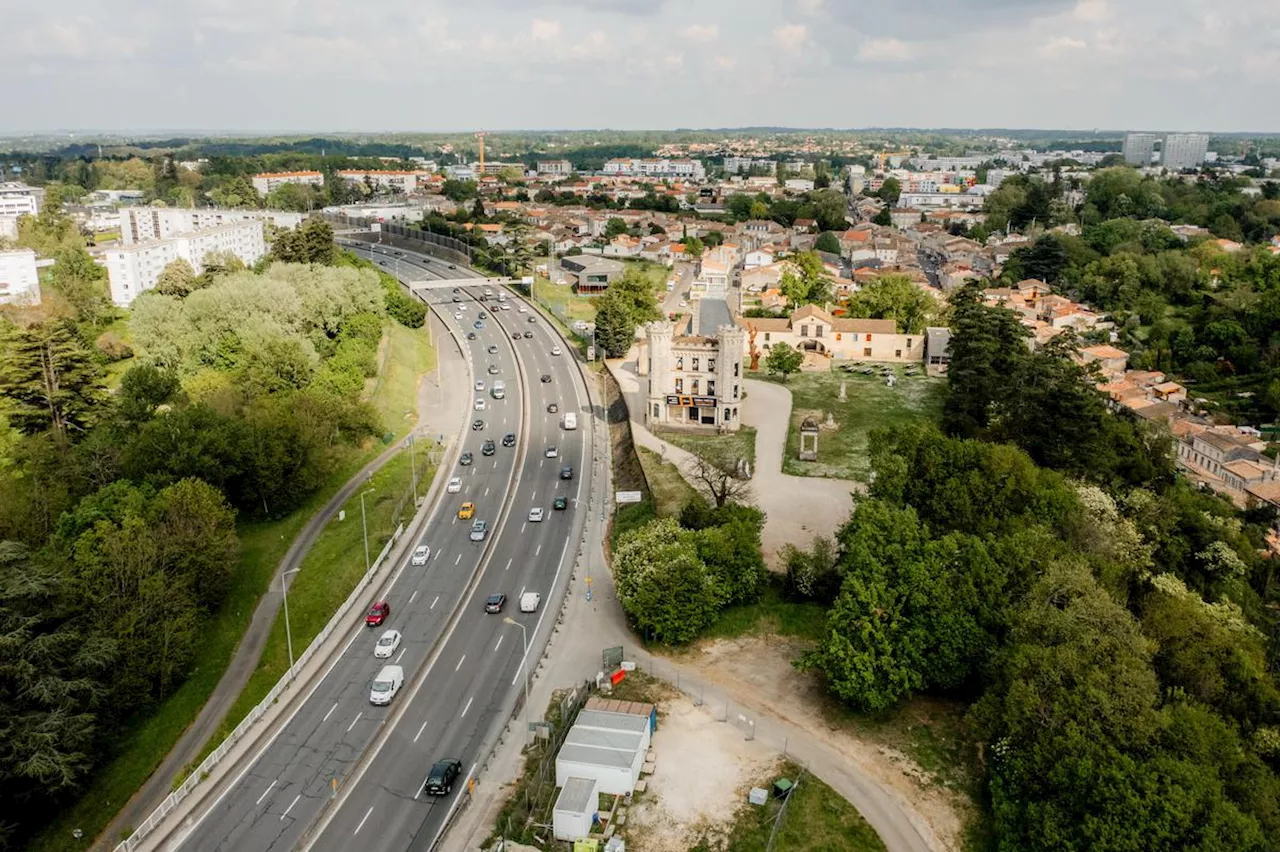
(406, 310)
(112, 347)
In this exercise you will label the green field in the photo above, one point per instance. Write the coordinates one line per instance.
(740, 444)
(671, 493)
(144, 741)
(816, 819)
(869, 404)
(772, 615)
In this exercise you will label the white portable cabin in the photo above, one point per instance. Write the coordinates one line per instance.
(575, 809)
(606, 747)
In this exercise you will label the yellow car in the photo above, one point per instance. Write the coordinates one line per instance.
(467, 512)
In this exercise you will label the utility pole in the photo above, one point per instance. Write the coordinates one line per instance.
(288, 634)
(364, 525)
(413, 468)
(525, 663)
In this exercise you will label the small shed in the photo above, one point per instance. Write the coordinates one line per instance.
(575, 810)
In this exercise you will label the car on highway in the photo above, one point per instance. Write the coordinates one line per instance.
(441, 777)
(457, 298)
(545, 378)
(457, 289)
(477, 425)
(421, 553)
(533, 319)
(488, 448)
(479, 406)
(555, 350)
(515, 335)
(493, 369)
(524, 309)
(479, 530)
(455, 485)
(493, 349)
(560, 504)
(377, 614)
(471, 335)
(482, 315)
(552, 408)
(509, 439)
(566, 472)
(386, 685)
(457, 315)
(552, 451)
(528, 335)
(466, 459)
(387, 645)
(535, 514)
(495, 603)
(466, 511)
(478, 324)
(479, 385)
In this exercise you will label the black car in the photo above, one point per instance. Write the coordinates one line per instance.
(533, 319)
(546, 378)
(566, 472)
(495, 603)
(515, 335)
(465, 459)
(552, 408)
(441, 777)
(509, 439)
(457, 289)
(477, 425)
(560, 503)
(528, 335)
(489, 447)
(457, 298)
(471, 335)
(493, 349)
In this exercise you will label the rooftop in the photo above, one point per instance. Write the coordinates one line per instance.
(713, 313)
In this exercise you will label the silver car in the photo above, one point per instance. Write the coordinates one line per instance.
(421, 554)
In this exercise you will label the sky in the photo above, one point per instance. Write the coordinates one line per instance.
(434, 65)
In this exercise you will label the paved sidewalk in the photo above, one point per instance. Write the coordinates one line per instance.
(440, 399)
(796, 508)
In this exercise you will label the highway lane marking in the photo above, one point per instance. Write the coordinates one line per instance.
(361, 825)
(459, 665)
(499, 645)
(508, 568)
(398, 656)
(413, 597)
(468, 707)
(272, 784)
(459, 559)
(539, 550)
(353, 721)
(522, 590)
(291, 804)
(420, 730)
(523, 527)
(486, 492)
(439, 553)
(434, 602)
(330, 713)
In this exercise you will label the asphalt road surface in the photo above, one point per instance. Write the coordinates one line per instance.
(453, 699)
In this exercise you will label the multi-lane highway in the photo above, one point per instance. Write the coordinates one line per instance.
(343, 773)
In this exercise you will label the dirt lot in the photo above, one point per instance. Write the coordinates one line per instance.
(704, 769)
(757, 672)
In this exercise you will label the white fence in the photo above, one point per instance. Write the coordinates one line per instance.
(340, 619)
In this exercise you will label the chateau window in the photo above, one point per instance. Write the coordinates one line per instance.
(695, 363)
(735, 369)
(711, 365)
(679, 385)
(695, 385)
(711, 388)
(735, 392)
(804, 331)
(817, 331)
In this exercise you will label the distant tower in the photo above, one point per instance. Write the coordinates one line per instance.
(480, 135)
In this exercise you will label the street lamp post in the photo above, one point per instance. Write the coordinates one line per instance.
(288, 633)
(413, 467)
(364, 525)
(524, 632)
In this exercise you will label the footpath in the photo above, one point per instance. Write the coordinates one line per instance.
(440, 398)
(593, 620)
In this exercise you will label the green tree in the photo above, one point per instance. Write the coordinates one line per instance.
(176, 279)
(830, 208)
(828, 242)
(783, 360)
(236, 192)
(614, 227)
(83, 284)
(662, 584)
(890, 190)
(458, 190)
(883, 217)
(987, 353)
(143, 389)
(895, 297)
(805, 280)
(49, 380)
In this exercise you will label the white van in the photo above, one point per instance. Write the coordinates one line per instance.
(569, 420)
(529, 601)
(502, 297)
(386, 685)
(499, 389)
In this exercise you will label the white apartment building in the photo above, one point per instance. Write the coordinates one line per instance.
(268, 181)
(1184, 150)
(941, 200)
(19, 280)
(555, 168)
(746, 165)
(142, 224)
(18, 199)
(133, 269)
(947, 164)
(656, 168)
(388, 179)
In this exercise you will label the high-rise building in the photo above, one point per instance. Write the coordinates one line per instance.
(1184, 151)
(1138, 148)
(134, 268)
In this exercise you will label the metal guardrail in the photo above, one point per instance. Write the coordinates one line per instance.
(340, 617)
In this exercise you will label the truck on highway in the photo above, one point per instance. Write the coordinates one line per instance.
(569, 421)
(499, 389)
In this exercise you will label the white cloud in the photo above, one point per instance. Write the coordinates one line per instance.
(726, 63)
(1060, 46)
(810, 7)
(1092, 10)
(703, 33)
(544, 30)
(791, 37)
(885, 50)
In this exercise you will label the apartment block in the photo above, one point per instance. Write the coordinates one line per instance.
(18, 199)
(656, 168)
(555, 168)
(396, 181)
(133, 269)
(1184, 151)
(19, 279)
(142, 224)
(268, 181)
(1138, 148)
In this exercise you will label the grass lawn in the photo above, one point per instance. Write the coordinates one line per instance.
(741, 443)
(564, 303)
(144, 741)
(671, 493)
(114, 372)
(406, 355)
(772, 615)
(817, 819)
(869, 404)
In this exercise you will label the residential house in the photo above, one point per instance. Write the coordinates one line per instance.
(590, 274)
(813, 329)
(1110, 360)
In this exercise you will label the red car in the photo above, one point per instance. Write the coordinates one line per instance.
(377, 614)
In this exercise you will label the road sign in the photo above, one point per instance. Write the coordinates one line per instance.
(628, 496)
